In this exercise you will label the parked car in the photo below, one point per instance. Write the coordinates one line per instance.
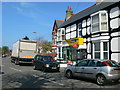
(5, 55)
(96, 69)
(45, 63)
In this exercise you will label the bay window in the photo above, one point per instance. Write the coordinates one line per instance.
(99, 21)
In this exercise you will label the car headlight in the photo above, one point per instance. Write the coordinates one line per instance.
(58, 65)
(47, 65)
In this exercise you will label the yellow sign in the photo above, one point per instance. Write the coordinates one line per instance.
(79, 41)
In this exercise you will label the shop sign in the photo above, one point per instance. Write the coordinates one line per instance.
(79, 41)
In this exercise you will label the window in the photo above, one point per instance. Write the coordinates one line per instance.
(101, 50)
(95, 23)
(63, 34)
(105, 50)
(99, 21)
(83, 63)
(80, 30)
(97, 50)
(103, 21)
(92, 63)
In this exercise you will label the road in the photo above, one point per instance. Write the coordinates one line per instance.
(16, 76)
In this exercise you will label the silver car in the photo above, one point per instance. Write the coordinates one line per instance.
(99, 70)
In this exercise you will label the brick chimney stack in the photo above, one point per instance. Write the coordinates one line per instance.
(69, 13)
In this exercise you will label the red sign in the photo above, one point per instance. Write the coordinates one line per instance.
(75, 45)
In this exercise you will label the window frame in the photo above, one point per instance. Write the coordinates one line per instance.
(101, 49)
(100, 21)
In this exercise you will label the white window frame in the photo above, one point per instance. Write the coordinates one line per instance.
(79, 30)
(62, 29)
(101, 49)
(100, 21)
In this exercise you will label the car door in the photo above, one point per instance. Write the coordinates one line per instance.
(79, 68)
(91, 70)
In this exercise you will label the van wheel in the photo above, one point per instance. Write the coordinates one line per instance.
(101, 80)
(69, 74)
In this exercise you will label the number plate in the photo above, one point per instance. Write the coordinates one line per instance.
(53, 67)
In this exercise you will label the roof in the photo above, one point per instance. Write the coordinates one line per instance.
(90, 10)
(59, 22)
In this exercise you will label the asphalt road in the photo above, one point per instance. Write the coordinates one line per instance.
(16, 76)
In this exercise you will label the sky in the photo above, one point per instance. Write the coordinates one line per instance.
(20, 19)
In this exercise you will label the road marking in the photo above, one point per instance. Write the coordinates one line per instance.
(47, 80)
(15, 69)
(2, 65)
(54, 82)
(35, 76)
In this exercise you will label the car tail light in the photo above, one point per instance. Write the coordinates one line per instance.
(106, 63)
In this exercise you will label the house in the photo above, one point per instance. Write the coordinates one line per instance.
(57, 24)
(91, 33)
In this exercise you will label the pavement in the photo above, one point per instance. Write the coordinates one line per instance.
(24, 76)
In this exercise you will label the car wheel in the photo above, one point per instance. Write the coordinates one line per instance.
(35, 67)
(16, 62)
(101, 80)
(69, 74)
(44, 69)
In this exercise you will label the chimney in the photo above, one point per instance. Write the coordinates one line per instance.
(99, 1)
(69, 13)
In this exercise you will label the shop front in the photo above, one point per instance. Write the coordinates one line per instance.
(72, 51)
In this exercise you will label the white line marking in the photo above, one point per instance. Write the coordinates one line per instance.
(54, 82)
(15, 69)
(47, 79)
(35, 76)
(2, 65)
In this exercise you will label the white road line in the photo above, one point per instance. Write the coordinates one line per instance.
(15, 69)
(47, 79)
(2, 65)
(35, 76)
(54, 82)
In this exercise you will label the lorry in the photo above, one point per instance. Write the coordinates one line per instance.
(24, 51)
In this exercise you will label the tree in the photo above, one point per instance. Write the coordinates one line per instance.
(26, 38)
(5, 49)
(47, 47)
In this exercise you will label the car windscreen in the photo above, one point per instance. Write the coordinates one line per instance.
(46, 58)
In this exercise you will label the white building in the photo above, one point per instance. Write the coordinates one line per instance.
(99, 28)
